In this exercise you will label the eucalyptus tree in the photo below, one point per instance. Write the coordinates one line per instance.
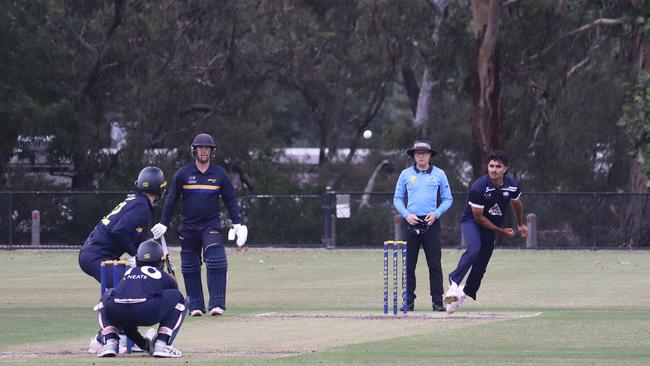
(333, 56)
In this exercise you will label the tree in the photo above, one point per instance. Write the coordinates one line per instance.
(31, 87)
(636, 112)
(333, 57)
(484, 85)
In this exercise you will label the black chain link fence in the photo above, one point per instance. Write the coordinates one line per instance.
(355, 219)
(342, 219)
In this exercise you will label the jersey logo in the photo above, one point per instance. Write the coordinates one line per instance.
(506, 194)
(495, 210)
(212, 180)
(412, 179)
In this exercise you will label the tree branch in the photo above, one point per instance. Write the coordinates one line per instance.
(370, 185)
(587, 27)
(582, 63)
(196, 108)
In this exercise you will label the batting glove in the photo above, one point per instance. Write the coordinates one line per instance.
(158, 230)
(240, 231)
(130, 261)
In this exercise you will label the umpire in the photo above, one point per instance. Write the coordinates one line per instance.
(416, 199)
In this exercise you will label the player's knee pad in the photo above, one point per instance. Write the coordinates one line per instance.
(215, 258)
(190, 262)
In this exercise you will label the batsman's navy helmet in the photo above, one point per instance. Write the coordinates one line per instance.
(203, 139)
(151, 180)
(150, 253)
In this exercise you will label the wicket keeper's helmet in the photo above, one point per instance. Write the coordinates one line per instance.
(151, 180)
(150, 253)
(202, 139)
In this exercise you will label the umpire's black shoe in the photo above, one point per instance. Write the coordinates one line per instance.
(438, 307)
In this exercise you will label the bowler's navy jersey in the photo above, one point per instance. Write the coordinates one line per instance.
(494, 201)
(142, 283)
(201, 193)
(121, 230)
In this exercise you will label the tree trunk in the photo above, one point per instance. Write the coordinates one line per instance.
(485, 88)
(640, 58)
(370, 186)
(423, 110)
(411, 86)
(635, 222)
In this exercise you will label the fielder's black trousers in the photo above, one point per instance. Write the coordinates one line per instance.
(430, 242)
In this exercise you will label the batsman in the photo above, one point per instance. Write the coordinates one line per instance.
(121, 230)
(202, 184)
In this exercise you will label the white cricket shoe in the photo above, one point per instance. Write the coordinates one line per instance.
(150, 334)
(162, 349)
(109, 349)
(196, 312)
(94, 345)
(451, 295)
(454, 306)
(216, 311)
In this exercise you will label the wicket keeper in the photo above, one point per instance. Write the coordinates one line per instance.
(145, 296)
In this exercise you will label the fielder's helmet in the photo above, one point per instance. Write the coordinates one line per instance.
(151, 180)
(150, 253)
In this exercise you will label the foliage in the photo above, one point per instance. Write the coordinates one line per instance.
(261, 76)
(32, 92)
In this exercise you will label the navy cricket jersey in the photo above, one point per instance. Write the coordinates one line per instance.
(121, 230)
(495, 201)
(141, 283)
(201, 193)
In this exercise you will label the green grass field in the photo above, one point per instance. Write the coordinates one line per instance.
(314, 306)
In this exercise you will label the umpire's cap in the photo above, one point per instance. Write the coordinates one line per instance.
(150, 253)
(421, 146)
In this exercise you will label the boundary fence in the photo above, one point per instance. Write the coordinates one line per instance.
(558, 220)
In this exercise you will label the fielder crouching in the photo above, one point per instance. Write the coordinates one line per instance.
(145, 296)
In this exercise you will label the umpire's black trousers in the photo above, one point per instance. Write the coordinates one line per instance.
(430, 242)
